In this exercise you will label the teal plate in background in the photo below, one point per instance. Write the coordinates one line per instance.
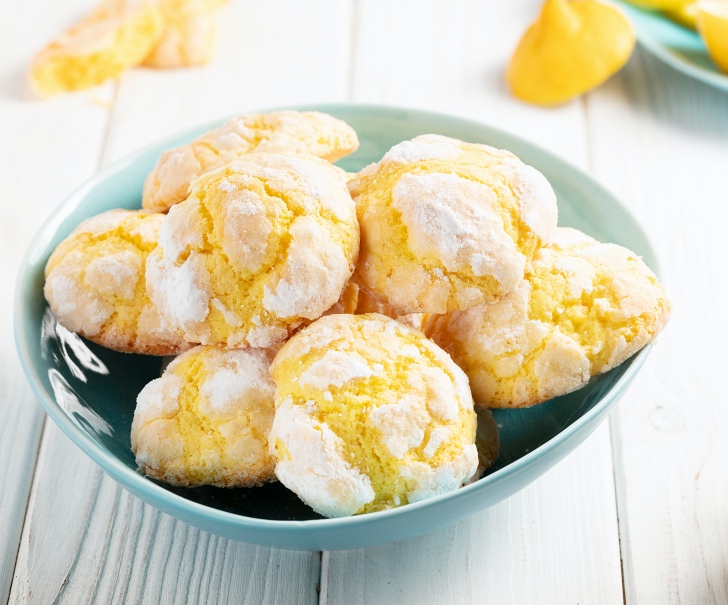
(678, 46)
(90, 392)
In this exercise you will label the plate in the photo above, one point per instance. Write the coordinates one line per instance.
(90, 392)
(678, 46)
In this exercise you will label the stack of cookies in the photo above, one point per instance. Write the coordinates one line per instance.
(345, 334)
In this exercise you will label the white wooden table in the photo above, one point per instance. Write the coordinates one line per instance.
(638, 514)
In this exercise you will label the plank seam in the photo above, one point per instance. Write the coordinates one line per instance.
(613, 437)
(324, 578)
(33, 486)
(107, 130)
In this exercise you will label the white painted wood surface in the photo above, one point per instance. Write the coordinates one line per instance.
(672, 483)
(33, 135)
(656, 487)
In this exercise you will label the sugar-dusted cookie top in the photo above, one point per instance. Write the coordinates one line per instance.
(206, 420)
(448, 225)
(370, 415)
(260, 246)
(584, 308)
(95, 284)
(309, 132)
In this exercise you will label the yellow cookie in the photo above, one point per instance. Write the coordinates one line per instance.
(206, 420)
(260, 246)
(448, 225)
(115, 36)
(370, 415)
(190, 32)
(310, 132)
(584, 308)
(95, 284)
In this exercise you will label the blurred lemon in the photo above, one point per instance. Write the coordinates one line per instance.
(665, 5)
(712, 21)
(573, 47)
(684, 15)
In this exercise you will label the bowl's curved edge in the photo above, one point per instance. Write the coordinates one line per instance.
(674, 60)
(325, 534)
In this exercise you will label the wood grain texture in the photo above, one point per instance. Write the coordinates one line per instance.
(660, 141)
(557, 541)
(86, 540)
(36, 138)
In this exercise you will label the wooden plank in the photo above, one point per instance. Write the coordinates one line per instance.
(89, 541)
(35, 138)
(668, 160)
(557, 541)
(86, 540)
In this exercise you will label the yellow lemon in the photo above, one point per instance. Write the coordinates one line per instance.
(571, 48)
(712, 21)
(685, 15)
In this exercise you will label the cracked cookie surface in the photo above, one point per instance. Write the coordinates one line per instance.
(260, 246)
(95, 284)
(308, 132)
(206, 420)
(370, 415)
(448, 225)
(584, 308)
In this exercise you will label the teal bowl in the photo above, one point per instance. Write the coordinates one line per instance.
(674, 44)
(90, 392)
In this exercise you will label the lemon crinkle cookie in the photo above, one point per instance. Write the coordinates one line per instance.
(95, 284)
(447, 225)
(584, 308)
(189, 35)
(260, 246)
(117, 35)
(308, 132)
(206, 420)
(370, 415)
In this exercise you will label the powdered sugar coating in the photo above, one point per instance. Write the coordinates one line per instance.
(307, 132)
(460, 222)
(206, 420)
(448, 225)
(335, 369)
(261, 245)
(366, 399)
(95, 284)
(583, 308)
(425, 147)
(314, 465)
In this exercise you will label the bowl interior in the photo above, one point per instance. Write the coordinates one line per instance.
(96, 388)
